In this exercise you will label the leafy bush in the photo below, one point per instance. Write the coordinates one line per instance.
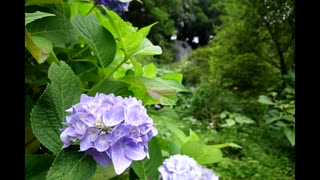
(265, 154)
(209, 100)
(280, 109)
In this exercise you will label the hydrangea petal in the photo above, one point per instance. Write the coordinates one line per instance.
(133, 116)
(87, 118)
(85, 98)
(68, 136)
(208, 174)
(120, 131)
(102, 143)
(119, 159)
(101, 158)
(88, 140)
(80, 128)
(85, 144)
(135, 151)
(114, 116)
(180, 167)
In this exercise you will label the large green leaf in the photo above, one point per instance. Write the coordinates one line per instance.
(57, 29)
(147, 48)
(202, 153)
(39, 47)
(149, 70)
(192, 136)
(137, 68)
(104, 173)
(148, 168)
(178, 133)
(129, 39)
(110, 86)
(70, 164)
(29, 17)
(290, 134)
(164, 91)
(37, 166)
(79, 7)
(99, 39)
(219, 146)
(49, 111)
(137, 87)
(265, 100)
(38, 2)
(173, 76)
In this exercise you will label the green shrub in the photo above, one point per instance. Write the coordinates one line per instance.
(265, 154)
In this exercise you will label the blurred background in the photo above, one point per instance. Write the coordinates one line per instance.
(237, 58)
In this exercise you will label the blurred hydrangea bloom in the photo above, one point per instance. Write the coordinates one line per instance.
(182, 167)
(116, 5)
(110, 128)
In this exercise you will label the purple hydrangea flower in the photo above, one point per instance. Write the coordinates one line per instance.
(110, 128)
(116, 5)
(182, 167)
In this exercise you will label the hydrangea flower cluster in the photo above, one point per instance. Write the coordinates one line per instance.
(110, 128)
(182, 167)
(116, 5)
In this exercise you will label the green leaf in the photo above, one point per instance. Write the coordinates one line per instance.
(129, 38)
(209, 155)
(57, 29)
(224, 114)
(147, 48)
(148, 168)
(165, 112)
(79, 7)
(104, 173)
(192, 136)
(219, 146)
(37, 166)
(174, 146)
(229, 123)
(99, 39)
(29, 17)
(290, 134)
(163, 90)
(49, 111)
(281, 124)
(241, 119)
(150, 70)
(265, 100)
(173, 76)
(202, 153)
(136, 67)
(110, 86)
(70, 164)
(39, 2)
(179, 134)
(40, 48)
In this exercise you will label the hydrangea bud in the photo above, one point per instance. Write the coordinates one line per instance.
(182, 167)
(116, 5)
(110, 128)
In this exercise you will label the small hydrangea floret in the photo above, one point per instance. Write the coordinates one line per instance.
(182, 167)
(116, 5)
(110, 128)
